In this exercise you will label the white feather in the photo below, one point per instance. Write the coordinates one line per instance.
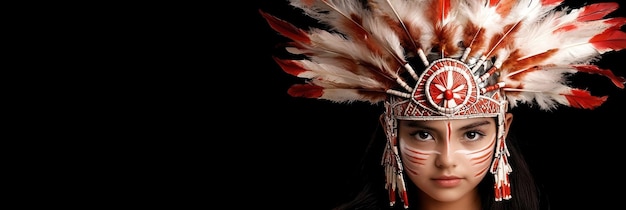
(573, 45)
(337, 14)
(336, 75)
(332, 14)
(413, 15)
(542, 87)
(344, 95)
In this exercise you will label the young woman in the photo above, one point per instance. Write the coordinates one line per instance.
(448, 74)
(442, 159)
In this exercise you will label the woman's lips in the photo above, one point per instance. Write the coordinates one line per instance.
(447, 181)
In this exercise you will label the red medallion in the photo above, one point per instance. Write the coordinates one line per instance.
(448, 87)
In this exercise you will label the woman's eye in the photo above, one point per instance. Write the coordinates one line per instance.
(473, 136)
(421, 135)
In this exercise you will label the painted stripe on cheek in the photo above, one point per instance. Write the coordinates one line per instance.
(415, 159)
(480, 158)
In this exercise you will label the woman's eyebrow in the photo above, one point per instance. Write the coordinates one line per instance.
(476, 124)
(417, 124)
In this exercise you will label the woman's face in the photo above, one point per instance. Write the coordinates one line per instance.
(447, 159)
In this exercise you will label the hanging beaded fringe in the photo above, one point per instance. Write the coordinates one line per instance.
(501, 169)
(394, 176)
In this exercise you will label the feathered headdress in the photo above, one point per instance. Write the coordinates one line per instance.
(450, 59)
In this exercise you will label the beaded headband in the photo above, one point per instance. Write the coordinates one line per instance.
(449, 59)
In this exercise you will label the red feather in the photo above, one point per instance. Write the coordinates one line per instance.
(305, 90)
(597, 11)
(290, 66)
(493, 2)
(286, 29)
(443, 10)
(505, 6)
(608, 40)
(583, 99)
(618, 81)
(550, 2)
(439, 11)
(616, 22)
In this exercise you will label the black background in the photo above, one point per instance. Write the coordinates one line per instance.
(298, 153)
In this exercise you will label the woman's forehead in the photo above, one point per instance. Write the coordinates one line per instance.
(460, 122)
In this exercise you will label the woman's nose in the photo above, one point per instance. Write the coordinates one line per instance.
(445, 158)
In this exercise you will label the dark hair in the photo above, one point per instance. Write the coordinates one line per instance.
(370, 193)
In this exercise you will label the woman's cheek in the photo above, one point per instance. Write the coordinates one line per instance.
(480, 159)
(415, 160)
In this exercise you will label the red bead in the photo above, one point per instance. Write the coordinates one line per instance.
(448, 94)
